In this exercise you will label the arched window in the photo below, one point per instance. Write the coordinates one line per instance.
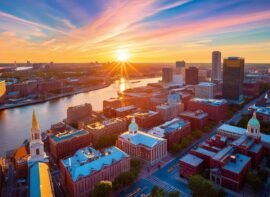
(37, 151)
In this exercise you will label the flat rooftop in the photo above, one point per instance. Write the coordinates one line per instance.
(145, 114)
(142, 138)
(191, 160)
(205, 152)
(101, 125)
(212, 102)
(208, 84)
(198, 114)
(88, 160)
(126, 108)
(169, 126)
(238, 164)
(231, 129)
(68, 135)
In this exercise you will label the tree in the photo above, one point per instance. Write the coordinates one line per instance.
(157, 192)
(202, 187)
(254, 181)
(103, 188)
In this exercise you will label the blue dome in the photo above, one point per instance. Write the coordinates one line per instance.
(254, 122)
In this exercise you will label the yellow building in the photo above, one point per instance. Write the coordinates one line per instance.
(2, 91)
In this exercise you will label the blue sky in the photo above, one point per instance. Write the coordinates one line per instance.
(150, 31)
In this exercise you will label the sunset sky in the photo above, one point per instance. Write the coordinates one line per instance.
(149, 30)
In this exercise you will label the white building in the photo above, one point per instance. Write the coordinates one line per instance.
(205, 90)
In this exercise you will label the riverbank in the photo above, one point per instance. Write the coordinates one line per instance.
(21, 104)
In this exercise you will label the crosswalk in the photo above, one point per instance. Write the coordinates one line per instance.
(164, 185)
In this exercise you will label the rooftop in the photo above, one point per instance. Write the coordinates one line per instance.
(198, 114)
(191, 159)
(255, 148)
(169, 126)
(223, 153)
(142, 138)
(234, 58)
(232, 129)
(68, 135)
(213, 102)
(40, 181)
(145, 114)
(206, 84)
(88, 160)
(126, 108)
(238, 164)
(99, 125)
(205, 152)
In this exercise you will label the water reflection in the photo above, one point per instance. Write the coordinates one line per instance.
(15, 124)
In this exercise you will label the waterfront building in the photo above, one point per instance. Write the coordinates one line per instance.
(50, 86)
(87, 167)
(205, 90)
(173, 131)
(1, 178)
(217, 109)
(192, 76)
(114, 126)
(167, 75)
(198, 118)
(216, 66)
(79, 112)
(66, 143)
(142, 145)
(2, 91)
(124, 111)
(24, 88)
(233, 77)
(40, 181)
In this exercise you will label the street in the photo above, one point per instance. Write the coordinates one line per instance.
(167, 177)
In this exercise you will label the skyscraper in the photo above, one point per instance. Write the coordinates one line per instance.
(233, 76)
(192, 76)
(216, 65)
(167, 75)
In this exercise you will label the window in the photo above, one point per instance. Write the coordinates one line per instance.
(37, 151)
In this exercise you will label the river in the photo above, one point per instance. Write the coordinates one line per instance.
(15, 124)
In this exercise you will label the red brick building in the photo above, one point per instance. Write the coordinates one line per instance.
(19, 159)
(82, 171)
(141, 145)
(198, 118)
(78, 112)
(217, 109)
(173, 130)
(190, 165)
(148, 119)
(66, 143)
(114, 126)
(251, 88)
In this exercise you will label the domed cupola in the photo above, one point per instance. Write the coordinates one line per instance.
(133, 127)
(253, 127)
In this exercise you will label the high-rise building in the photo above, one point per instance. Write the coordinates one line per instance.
(192, 76)
(167, 75)
(233, 76)
(180, 69)
(216, 65)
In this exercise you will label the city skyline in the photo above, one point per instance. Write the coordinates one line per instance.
(143, 31)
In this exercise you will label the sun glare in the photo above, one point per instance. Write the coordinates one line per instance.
(122, 55)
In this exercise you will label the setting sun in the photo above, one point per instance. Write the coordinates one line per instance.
(122, 55)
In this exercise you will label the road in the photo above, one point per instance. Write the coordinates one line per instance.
(167, 177)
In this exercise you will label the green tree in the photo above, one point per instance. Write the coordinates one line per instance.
(254, 181)
(103, 188)
(157, 192)
(202, 187)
